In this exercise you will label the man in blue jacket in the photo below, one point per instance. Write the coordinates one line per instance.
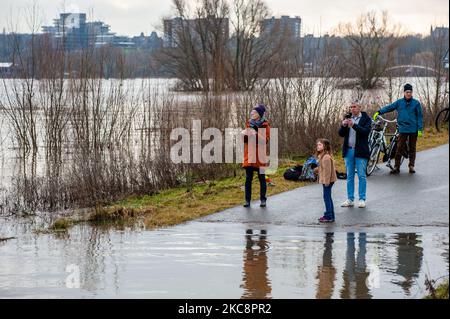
(410, 126)
(355, 130)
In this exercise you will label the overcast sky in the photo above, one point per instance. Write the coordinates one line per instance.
(130, 17)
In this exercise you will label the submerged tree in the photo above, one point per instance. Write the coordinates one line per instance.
(204, 54)
(369, 47)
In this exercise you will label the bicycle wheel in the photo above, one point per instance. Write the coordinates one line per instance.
(373, 160)
(442, 119)
(391, 151)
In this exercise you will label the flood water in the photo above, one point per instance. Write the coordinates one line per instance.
(192, 261)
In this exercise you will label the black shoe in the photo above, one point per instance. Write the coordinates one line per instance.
(247, 204)
(263, 203)
(395, 171)
(412, 170)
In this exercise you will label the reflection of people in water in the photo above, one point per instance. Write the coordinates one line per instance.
(409, 259)
(255, 282)
(355, 273)
(326, 273)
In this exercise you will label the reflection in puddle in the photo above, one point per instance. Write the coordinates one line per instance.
(355, 274)
(409, 256)
(256, 284)
(326, 272)
(219, 260)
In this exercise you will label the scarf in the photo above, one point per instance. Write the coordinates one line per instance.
(257, 123)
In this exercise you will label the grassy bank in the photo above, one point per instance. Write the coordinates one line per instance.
(439, 292)
(177, 205)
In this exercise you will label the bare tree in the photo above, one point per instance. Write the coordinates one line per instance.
(201, 48)
(369, 49)
(433, 91)
(250, 53)
(197, 44)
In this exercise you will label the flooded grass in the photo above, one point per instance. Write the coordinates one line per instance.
(439, 292)
(114, 213)
(61, 224)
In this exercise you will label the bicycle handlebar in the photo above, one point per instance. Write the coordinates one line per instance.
(386, 120)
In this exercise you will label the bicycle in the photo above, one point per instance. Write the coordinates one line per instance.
(442, 118)
(378, 144)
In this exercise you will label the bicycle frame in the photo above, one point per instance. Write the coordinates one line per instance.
(378, 138)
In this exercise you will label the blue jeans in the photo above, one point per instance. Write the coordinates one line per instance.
(360, 163)
(329, 207)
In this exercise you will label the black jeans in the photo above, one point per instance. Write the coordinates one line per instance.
(248, 183)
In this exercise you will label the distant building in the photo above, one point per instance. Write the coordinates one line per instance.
(439, 32)
(174, 27)
(99, 33)
(152, 42)
(69, 28)
(284, 26)
(76, 33)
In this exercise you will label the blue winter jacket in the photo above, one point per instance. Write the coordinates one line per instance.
(409, 115)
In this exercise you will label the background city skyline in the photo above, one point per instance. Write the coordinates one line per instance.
(319, 17)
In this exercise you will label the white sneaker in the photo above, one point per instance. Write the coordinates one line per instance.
(347, 203)
(362, 204)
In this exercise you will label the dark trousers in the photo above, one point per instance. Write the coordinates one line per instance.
(403, 138)
(329, 206)
(248, 183)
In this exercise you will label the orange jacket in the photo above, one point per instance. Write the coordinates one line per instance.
(261, 159)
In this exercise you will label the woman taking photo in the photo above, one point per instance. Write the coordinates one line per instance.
(256, 137)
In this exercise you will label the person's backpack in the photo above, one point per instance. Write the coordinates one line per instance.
(293, 173)
(308, 170)
(340, 175)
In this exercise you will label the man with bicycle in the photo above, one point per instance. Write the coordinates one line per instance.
(410, 126)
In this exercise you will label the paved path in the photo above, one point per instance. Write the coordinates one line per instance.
(418, 200)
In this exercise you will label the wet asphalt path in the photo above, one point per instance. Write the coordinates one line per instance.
(407, 201)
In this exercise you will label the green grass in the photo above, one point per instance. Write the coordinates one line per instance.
(178, 205)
